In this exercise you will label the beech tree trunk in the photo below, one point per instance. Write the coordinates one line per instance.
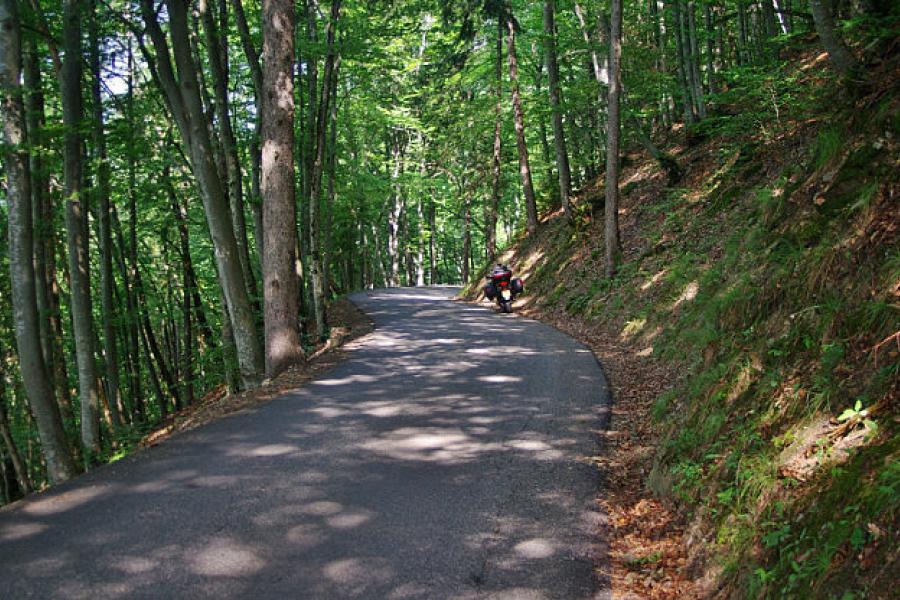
(682, 46)
(11, 448)
(315, 184)
(519, 122)
(217, 47)
(490, 213)
(280, 285)
(838, 53)
(694, 62)
(432, 255)
(102, 192)
(76, 231)
(252, 57)
(25, 315)
(559, 138)
(182, 93)
(395, 209)
(611, 229)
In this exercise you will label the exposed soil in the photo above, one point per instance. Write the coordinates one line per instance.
(346, 323)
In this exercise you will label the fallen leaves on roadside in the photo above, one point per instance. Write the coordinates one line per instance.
(347, 323)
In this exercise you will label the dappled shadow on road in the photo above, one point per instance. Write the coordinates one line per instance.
(444, 459)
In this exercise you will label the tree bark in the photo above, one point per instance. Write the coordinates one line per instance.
(682, 48)
(188, 289)
(467, 237)
(519, 122)
(490, 212)
(255, 151)
(18, 464)
(315, 184)
(331, 192)
(280, 285)
(102, 191)
(34, 116)
(397, 148)
(611, 229)
(21, 248)
(840, 55)
(217, 47)
(131, 251)
(559, 139)
(184, 100)
(76, 232)
(432, 256)
(694, 63)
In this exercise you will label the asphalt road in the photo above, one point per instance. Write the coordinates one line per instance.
(443, 459)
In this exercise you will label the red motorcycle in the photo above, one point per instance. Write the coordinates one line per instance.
(502, 287)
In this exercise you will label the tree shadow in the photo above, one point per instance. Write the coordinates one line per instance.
(444, 459)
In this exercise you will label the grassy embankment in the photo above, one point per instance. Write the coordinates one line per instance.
(766, 283)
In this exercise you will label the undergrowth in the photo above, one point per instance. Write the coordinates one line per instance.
(772, 277)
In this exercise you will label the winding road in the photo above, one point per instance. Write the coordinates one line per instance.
(443, 459)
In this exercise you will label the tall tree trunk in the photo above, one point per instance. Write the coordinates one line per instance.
(467, 238)
(217, 47)
(710, 55)
(490, 212)
(21, 251)
(519, 122)
(131, 251)
(184, 101)
(396, 208)
(559, 139)
(6, 435)
(840, 55)
(107, 282)
(188, 289)
(307, 149)
(315, 184)
(132, 337)
(34, 115)
(252, 57)
(331, 192)
(743, 42)
(696, 79)
(682, 48)
(611, 229)
(542, 124)
(599, 66)
(280, 285)
(432, 257)
(76, 232)
(45, 236)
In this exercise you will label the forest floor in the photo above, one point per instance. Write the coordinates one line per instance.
(346, 323)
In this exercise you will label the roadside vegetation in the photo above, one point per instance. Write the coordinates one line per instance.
(760, 296)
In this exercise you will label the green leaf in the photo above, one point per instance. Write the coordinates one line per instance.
(858, 538)
(847, 414)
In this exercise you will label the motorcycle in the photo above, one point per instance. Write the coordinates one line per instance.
(503, 288)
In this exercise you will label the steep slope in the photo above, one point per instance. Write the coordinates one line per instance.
(751, 335)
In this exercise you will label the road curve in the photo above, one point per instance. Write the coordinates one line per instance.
(442, 459)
